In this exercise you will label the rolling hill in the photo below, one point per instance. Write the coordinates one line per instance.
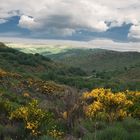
(17, 61)
(97, 59)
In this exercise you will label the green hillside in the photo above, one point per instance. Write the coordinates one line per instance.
(116, 70)
(104, 68)
(98, 59)
(32, 64)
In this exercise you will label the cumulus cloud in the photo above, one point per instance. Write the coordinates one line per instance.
(69, 16)
(28, 22)
(134, 32)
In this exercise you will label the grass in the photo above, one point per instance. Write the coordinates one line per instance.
(126, 130)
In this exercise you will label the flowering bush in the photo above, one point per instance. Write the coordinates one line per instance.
(32, 116)
(5, 107)
(135, 98)
(55, 133)
(44, 87)
(5, 74)
(103, 103)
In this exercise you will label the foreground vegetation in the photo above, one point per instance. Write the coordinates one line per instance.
(31, 109)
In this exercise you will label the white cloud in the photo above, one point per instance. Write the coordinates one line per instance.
(117, 46)
(134, 32)
(69, 16)
(28, 22)
(2, 21)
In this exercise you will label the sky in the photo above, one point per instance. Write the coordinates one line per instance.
(78, 20)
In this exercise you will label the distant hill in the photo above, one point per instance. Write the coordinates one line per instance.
(17, 61)
(87, 59)
(14, 60)
(97, 59)
(39, 48)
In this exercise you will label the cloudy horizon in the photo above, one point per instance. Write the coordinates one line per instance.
(92, 44)
(114, 23)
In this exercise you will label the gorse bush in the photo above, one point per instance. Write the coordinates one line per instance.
(47, 88)
(135, 97)
(102, 103)
(6, 106)
(34, 120)
(31, 115)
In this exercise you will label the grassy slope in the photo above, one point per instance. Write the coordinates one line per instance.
(97, 59)
(105, 68)
(14, 60)
(32, 64)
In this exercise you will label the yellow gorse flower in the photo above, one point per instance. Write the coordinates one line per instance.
(55, 133)
(104, 101)
(31, 116)
(65, 115)
(26, 94)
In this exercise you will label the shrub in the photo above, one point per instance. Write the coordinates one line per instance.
(113, 133)
(32, 116)
(36, 121)
(5, 106)
(104, 104)
(135, 97)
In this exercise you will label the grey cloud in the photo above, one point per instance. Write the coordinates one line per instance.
(72, 15)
